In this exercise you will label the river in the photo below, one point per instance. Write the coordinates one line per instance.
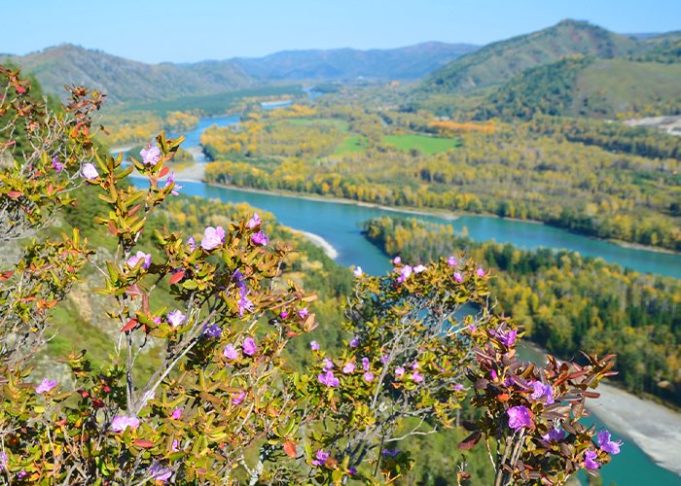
(340, 225)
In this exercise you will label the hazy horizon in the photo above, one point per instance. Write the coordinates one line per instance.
(166, 32)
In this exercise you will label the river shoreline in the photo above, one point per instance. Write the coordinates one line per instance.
(317, 240)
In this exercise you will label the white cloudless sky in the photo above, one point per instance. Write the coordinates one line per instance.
(192, 30)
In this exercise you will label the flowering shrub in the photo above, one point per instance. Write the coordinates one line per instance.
(223, 405)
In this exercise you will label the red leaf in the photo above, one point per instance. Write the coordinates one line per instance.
(290, 449)
(163, 172)
(6, 275)
(176, 277)
(143, 443)
(130, 325)
(14, 194)
(470, 441)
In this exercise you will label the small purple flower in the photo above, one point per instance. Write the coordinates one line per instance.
(237, 398)
(352, 470)
(230, 352)
(122, 422)
(244, 303)
(140, 256)
(212, 331)
(397, 260)
(89, 171)
(159, 472)
(519, 417)
(390, 452)
(303, 313)
(417, 377)
(327, 378)
(452, 261)
(354, 342)
(22, 474)
(314, 345)
(458, 277)
(385, 358)
(177, 413)
(45, 386)
(321, 456)
(249, 347)
(405, 273)
(349, 368)
(507, 338)
(254, 222)
(365, 363)
(608, 445)
(176, 318)
(590, 460)
(175, 446)
(419, 268)
(555, 434)
(399, 372)
(191, 243)
(368, 377)
(357, 272)
(212, 238)
(459, 387)
(328, 364)
(150, 155)
(3, 460)
(259, 239)
(283, 314)
(480, 272)
(171, 180)
(542, 390)
(57, 165)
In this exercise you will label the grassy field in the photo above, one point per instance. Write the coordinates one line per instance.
(423, 143)
(352, 144)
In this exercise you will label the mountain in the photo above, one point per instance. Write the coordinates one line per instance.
(496, 63)
(410, 62)
(588, 86)
(124, 80)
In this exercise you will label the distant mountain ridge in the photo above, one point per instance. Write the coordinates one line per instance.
(124, 80)
(496, 63)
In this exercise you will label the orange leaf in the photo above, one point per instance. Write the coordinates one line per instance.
(130, 325)
(503, 397)
(6, 275)
(145, 444)
(290, 449)
(163, 172)
(176, 277)
(14, 194)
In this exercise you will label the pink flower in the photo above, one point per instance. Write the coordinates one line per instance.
(191, 243)
(480, 272)
(171, 180)
(452, 261)
(417, 377)
(283, 314)
(399, 372)
(89, 171)
(159, 472)
(254, 222)
(590, 460)
(419, 268)
(230, 352)
(459, 387)
(519, 417)
(212, 238)
(122, 422)
(349, 368)
(176, 318)
(175, 446)
(327, 378)
(328, 364)
(458, 277)
(542, 390)
(368, 377)
(397, 260)
(259, 239)
(608, 445)
(405, 273)
(357, 272)
(303, 313)
(249, 347)
(321, 457)
(177, 413)
(150, 155)
(314, 345)
(365, 363)
(45, 386)
(57, 165)
(140, 256)
(237, 398)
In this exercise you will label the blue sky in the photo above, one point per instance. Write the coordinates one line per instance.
(192, 30)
